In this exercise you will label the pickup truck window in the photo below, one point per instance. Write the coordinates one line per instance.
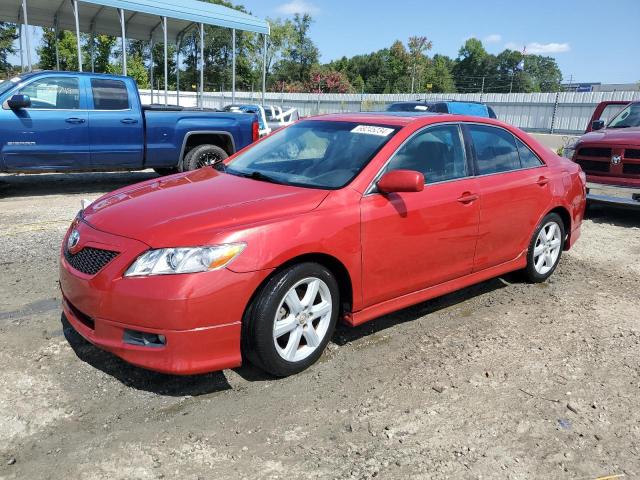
(62, 93)
(109, 94)
(629, 117)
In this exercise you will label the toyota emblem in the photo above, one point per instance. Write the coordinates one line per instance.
(73, 240)
(616, 159)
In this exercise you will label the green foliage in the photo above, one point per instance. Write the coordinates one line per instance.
(8, 34)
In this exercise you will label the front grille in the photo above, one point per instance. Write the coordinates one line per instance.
(593, 166)
(594, 152)
(631, 168)
(632, 153)
(89, 260)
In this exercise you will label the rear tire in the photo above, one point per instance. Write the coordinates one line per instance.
(291, 320)
(545, 249)
(203, 156)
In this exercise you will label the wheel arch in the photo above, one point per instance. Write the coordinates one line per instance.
(218, 138)
(333, 264)
(566, 219)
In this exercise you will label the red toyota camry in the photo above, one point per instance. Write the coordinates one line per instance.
(346, 216)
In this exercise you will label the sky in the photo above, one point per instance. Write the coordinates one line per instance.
(592, 40)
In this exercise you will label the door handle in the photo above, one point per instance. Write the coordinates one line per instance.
(468, 197)
(129, 120)
(542, 181)
(74, 120)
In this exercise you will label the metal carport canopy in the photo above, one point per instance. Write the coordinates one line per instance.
(142, 17)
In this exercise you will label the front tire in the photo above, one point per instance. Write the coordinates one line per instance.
(291, 320)
(545, 248)
(203, 156)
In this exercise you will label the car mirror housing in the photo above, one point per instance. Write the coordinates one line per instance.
(19, 101)
(597, 125)
(401, 181)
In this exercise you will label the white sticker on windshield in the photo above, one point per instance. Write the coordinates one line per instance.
(373, 130)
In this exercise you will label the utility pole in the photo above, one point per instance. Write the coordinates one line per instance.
(482, 89)
(513, 72)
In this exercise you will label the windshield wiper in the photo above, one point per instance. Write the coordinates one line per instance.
(255, 175)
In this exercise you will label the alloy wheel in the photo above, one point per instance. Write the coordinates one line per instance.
(547, 247)
(302, 319)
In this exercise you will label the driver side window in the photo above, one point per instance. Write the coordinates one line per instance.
(436, 152)
(60, 93)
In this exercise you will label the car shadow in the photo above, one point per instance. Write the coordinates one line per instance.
(16, 185)
(345, 334)
(613, 216)
(139, 378)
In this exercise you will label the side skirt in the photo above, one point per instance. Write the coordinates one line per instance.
(357, 318)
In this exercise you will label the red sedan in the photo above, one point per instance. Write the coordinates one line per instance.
(345, 217)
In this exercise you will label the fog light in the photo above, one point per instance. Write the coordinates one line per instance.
(144, 339)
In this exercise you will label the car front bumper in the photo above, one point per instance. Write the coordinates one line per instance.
(613, 195)
(199, 315)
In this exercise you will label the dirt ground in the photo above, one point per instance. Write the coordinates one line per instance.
(501, 380)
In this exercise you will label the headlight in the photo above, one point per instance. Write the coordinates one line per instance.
(167, 261)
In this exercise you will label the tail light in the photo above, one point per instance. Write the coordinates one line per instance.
(255, 130)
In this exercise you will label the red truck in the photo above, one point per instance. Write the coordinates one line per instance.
(609, 153)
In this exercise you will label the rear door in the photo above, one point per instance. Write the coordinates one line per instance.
(52, 133)
(116, 130)
(514, 187)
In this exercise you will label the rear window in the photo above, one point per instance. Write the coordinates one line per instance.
(495, 149)
(109, 94)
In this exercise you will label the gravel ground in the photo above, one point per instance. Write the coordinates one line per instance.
(501, 380)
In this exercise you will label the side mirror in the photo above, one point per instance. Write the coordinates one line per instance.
(597, 125)
(19, 101)
(401, 181)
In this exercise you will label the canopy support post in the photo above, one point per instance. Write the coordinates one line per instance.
(56, 34)
(151, 44)
(74, 3)
(202, 66)
(25, 19)
(93, 48)
(233, 66)
(21, 48)
(124, 41)
(178, 43)
(264, 68)
(166, 62)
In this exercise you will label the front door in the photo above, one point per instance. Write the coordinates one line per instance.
(51, 134)
(411, 241)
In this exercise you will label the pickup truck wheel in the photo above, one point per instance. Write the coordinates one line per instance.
(291, 319)
(545, 249)
(203, 156)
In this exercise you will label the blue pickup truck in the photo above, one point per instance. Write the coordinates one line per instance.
(67, 121)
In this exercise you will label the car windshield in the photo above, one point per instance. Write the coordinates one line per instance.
(629, 117)
(313, 153)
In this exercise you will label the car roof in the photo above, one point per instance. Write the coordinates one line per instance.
(402, 119)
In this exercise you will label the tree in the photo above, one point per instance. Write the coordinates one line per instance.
(472, 65)
(300, 54)
(439, 75)
(8, 34)
(417, 47)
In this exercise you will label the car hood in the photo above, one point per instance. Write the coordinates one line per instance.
(189, 209)
(622, 136)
